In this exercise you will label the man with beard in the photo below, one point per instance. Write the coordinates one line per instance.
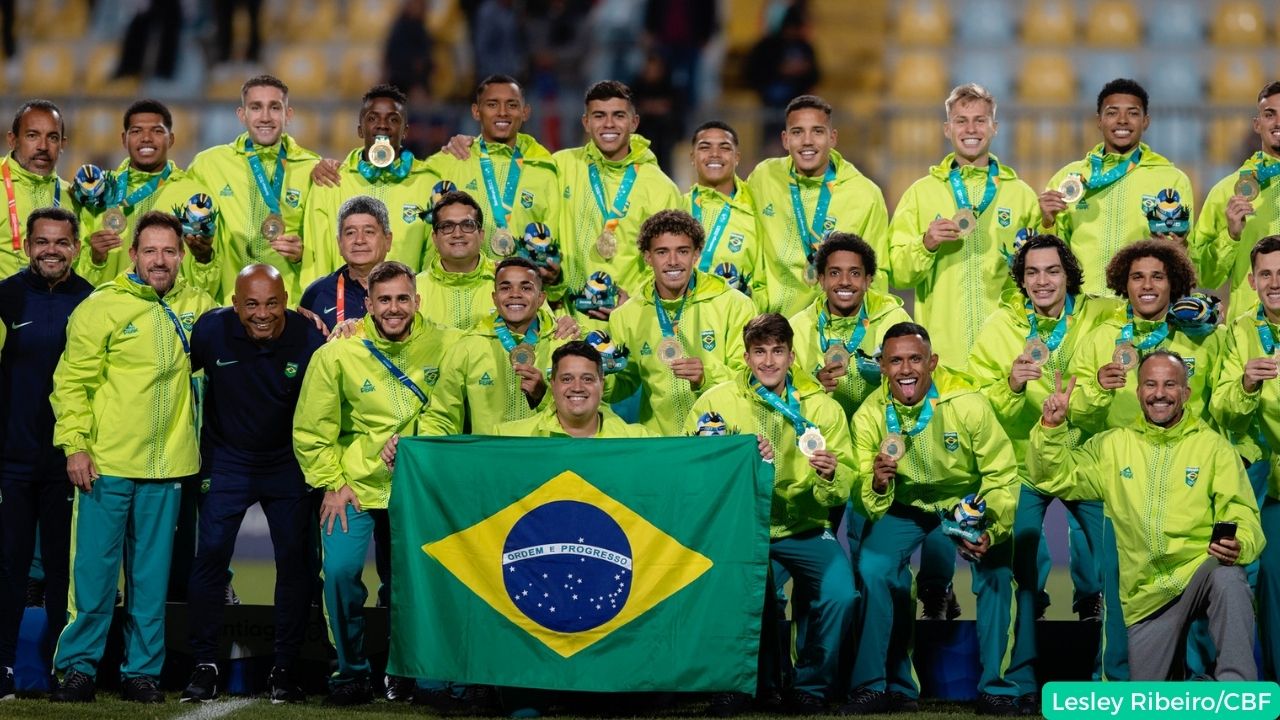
(37, 138)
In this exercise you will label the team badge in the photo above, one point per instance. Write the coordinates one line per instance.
(188, 320)
(291, 369)
(829, 224)
(645, 349)
(735, 242)
(1004, 216)
(708, 340)
(1193, 474)
(1126, 472)
(768, 209)
(485, 379)
(526, 199)
(1190, 362)
(292, 197)
(431, 375)
(951, 441)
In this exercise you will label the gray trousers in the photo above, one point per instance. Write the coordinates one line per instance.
(1222, 593)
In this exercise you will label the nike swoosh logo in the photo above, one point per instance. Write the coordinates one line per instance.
(329, 310)
(22, 325)
(221, 363)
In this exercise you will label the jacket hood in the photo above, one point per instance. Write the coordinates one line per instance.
(640, 154)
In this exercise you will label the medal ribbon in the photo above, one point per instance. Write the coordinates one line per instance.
(665, 321)
(618, 210)
(508, 198)
(961, 193)
(396, 372)
(507, 339)
(186, 348)
(1265, 335)
(1265, 171)
(270, 191)
(1098, 180)
(790, 408)
(717, 230)
(859, 331)
(395, 172)
(811, 235)
(1059, 330)
(1156, 336)
(15, 227)
(150, 186)
(894, 424)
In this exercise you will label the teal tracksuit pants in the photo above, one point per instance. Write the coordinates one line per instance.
(344, 590)
(119, 519)
(823, 585)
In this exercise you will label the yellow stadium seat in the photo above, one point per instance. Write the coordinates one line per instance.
(341, 136)
(1227, 135)
(48, 69)
(369, 20)
(359, 68)
(923, 22)
(744, 26)
(1236, 79)
(305, 69)
(919, 77)
(1113, 24)
(100, 66)
(307, 127)
(186, 134)
(311, 20)
(96, 133)
(58, 19)
(1052, 22)
(1041, 141)
(900, 178)
(1239, 23)
(916, 138)
(1047, 79)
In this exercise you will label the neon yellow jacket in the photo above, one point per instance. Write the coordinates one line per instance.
(962, 450)
(545, 424)
(478, 390)
(801, 499)
(122, 390)
(883, 312)
(1094, 409)
(857, 206)
(1105, 220)
(1163, 489)
(537, 194)
(224, 170)
(175, 191)
(350, 404)
(457, 300)
(1221, 259)
(30, 192)
(710, 329)
(741, 245)
(1004, 337)
(958, 285)
(1248, 414)
(405, 201)
(582, 222)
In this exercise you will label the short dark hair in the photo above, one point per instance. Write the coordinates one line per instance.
(59, 214)
(157, 218)
(608, 90)
(1070, 263)
(907, 329)
(1182, 274)
(1271, 88)
(1265, 246)
(264, 80)
(497, 79)
(804, 102)
(1123, 86)
(714, 125)
(150, 106)
(364, 205)
(1165, 352)
(40, 104)
(845, 242)
(577, 348)
(389, 270)
(767, 327)
(517, 262)
(456, 197)
(384, 90)
(673, 222)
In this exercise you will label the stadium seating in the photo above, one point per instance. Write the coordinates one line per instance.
(919, 77)
(368, 20)
(1047, 79)
(984, 23)
(1049, 23)
(48, 69)
(1237, 77)
(922, 22)
(307, 70)
(1112, 24)
(359, 68)
(1239, 24)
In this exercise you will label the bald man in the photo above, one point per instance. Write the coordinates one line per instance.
(254, 354)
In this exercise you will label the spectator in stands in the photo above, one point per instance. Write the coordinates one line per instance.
(679, 31)
(661, 106)
(783, 65)
(158, 25)
(406, 62)
(225, 18)
(498, 41)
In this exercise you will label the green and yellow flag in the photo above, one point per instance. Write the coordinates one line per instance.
(601, 565)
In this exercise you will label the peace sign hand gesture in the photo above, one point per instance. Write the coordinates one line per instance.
(1054, 411)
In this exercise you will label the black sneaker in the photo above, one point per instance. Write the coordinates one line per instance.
(356, 692)
(728, 704)
(865, 701)
(75, 687)
(6, 684)
(1029, 705)
(398, 689)
(997, 705)
(229, 596)
(939, 604)
(35, 593)
(440, 700)
(903, 703)
(802, 703)
(203, 685)
(282, 689)
(142, 689)
(479, 700)
(1090, 608)
(768, 701)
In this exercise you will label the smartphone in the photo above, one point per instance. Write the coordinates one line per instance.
(1222, 529)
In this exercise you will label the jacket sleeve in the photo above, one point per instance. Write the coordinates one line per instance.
(875, 230)
(1058, 470)
(319, 234)
(866, 445)
(624, 383)
(79, 374)
(1091, 402)
(839, 443)
(911, 263)
(317, 423)
(988, 366)
(1234, 501)
(443, 415)
(1000, 485)
(759, 276)
(1230, 405)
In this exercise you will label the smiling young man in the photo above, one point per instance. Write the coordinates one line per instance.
(255, 355)
(944, 443)
(685, 331)
(1231, 224)
(1166, 479)
(124, 405)
(358, 392)
(36, 140)
(1119, 182)
(807, 194)
(575, 410)
(259, 181)
(959, 273)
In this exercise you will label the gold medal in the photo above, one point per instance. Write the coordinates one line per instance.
(810, 274)
(1072, 188)
(966, 221)
(114, 220)
(381, 154)
(503, 242)
(836, 355)
(1126, 356)
(894, 445)
(272, 227)
(607, 244)
(811, 441)
(523, 354)
(670, 349)
(1038, 351)
(1247, 186)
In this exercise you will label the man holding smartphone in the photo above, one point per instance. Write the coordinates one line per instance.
(1184, 513)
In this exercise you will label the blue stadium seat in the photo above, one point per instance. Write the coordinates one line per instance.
(991, 68)
(983, 23)
(1178, 136)
(1175, 21)
(1174, 78)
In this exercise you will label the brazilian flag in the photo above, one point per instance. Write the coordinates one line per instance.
(588, 565)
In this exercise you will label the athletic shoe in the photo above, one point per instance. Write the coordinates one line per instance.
(229, 596)
(865, 701)
(398, 689)
(997, 705)
(1029, 705)
(939, 605)
(356, 692)
(6, 684)
(141, 689)
(1090, 608)
(35, 593)
(903, 703)
(802, 703)
(440, 700)
(75, 687)
(282, 689)
(203, 685)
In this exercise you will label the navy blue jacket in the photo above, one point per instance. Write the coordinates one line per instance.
(321, 297)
